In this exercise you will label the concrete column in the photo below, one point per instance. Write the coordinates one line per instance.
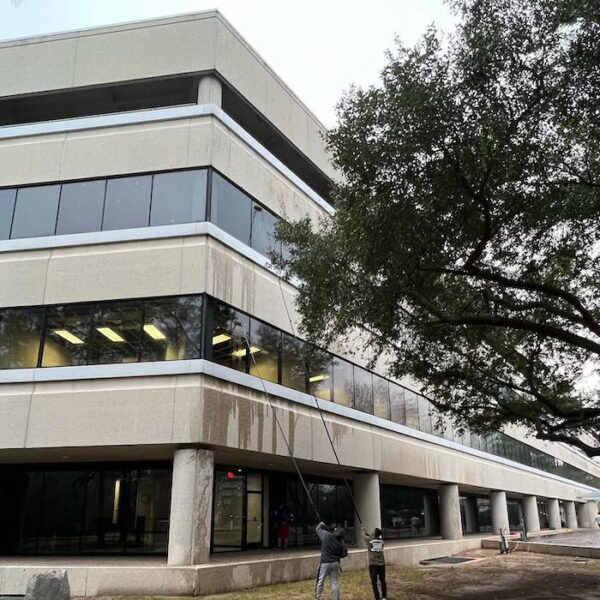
(499, 511)
(532, 517)
(471, 513)
(432, 526)
(589, 511)
(553, 514)
(368, 504)
(210, 91)
(450, 512)
(571, 515)
(582, 515)
(191, 507)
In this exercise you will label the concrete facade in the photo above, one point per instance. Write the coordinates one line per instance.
(499, 511)
(195, 419)
(191, 501)
(532, 518)
(450, 512)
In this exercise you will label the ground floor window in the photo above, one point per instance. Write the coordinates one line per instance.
(409, 512)
(543, 514)
(85, 509)
(254, 509)
(515, 513)
(475, 514)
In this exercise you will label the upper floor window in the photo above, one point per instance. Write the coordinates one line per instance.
(169, 198)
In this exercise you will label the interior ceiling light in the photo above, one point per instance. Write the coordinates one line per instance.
(242, 351)
(111, 334)
(154, 332)
(316, 378)
(67, 335)
(219, 339)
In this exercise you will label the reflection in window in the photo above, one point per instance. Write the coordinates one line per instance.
(412, 409)
(264, 346)
(381, 397)
(20, 330)
(35, 211)
(67, 335)
(397, 404)
(343, 381)
(172, 328)
(81, 206)
(179, 197)
(409, 512)
(230, 332)
(230, 209)
(425, 407)
(320, 373)
(363, 390)
(263, 230)
(81, 509)
(116, 333)
(293, 365)
(127, 202)
(7, 207)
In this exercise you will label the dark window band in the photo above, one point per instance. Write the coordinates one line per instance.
(132, 201)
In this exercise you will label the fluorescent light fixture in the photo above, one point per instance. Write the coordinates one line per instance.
(219, 339)
(316, 378)
(67, 335)
(111, 334)
(242, 351)
(116, 501)
(154, 332)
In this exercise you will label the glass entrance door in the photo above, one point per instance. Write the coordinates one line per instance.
(254, 510)
(238, 510)
(228, 532)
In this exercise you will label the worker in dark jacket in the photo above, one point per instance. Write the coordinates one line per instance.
(376, 562)
(333, 548)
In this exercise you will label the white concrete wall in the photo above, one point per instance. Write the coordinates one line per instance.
(195, 409)
(199, 42)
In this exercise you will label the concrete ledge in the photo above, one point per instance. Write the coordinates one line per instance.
(540, 547)
(105, 577)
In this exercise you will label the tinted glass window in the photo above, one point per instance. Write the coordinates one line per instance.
(397, 404)
(127, 202)
(412, 409)
(320, 373)
(425, 422)
(227, 344)
(408, 512)
(172, 328)
(116, 333)
(230, 209)
(67, 335)
(363, 390)
(293, 365)
(263, 230)
(20, 331)
(81, 206)
(35, 211)
(381, 397)
(343, 382)
(264, 351)
(179, 197)
(7, 207)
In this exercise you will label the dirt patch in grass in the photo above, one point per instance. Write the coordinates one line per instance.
(518, 575)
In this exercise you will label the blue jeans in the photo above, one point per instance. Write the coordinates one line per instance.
(333, 570)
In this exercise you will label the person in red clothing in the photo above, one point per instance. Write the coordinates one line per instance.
(282, 521)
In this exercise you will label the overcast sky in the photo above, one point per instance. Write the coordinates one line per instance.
(318, 47)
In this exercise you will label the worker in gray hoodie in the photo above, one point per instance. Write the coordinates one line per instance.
(333, 548)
